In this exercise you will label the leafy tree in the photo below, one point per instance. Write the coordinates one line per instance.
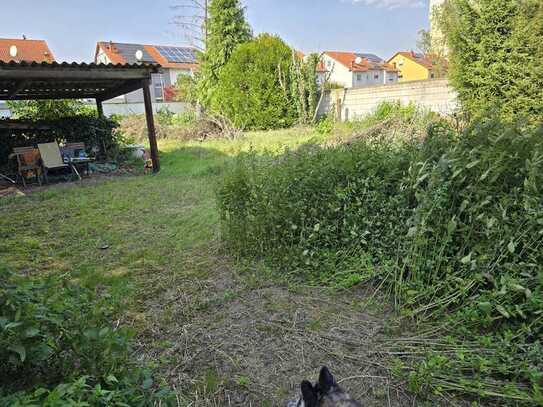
(48, 109)
(496, 56)
(227, 28)
(254, 89)
(184, 89)
(304, 87)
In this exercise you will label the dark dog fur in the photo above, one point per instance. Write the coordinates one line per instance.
(325, 393)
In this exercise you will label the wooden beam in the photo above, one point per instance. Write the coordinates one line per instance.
(18, 87)
(52, 96)
(150, 124)
(123, 89)
(23, 125)
(100, 108)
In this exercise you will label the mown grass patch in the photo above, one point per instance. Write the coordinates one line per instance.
(114, 242)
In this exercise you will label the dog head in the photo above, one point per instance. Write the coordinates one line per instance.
(325, 393)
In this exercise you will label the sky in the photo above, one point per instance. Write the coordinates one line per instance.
(72, 27)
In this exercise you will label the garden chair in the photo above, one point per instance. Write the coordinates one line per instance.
(28, 162)
(51, 159)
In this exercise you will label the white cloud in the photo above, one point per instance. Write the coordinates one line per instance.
(392, 4)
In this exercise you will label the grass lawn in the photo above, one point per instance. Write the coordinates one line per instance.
(219, 332)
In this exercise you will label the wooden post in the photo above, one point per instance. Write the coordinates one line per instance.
(100, 108)
(150, 124)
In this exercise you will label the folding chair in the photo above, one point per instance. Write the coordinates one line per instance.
(51, 159)
(28, 162)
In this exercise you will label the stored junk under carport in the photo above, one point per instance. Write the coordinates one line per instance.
(39, 81)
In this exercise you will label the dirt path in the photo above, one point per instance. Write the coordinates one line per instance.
(230, 338)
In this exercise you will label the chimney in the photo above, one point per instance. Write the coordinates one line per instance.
(24, 37)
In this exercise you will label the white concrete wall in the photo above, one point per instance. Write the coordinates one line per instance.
(435, 95)
(125, 109)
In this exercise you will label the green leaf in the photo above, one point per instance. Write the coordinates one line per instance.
(502, 311)
(466, 259)
(147, 383)
(32, 332)
(13, 325)
(485, 306)
(511, 246)
(473, 164)
(20, 350)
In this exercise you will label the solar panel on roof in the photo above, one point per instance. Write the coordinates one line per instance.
(178, 54)
(371, 57)
(128, 51)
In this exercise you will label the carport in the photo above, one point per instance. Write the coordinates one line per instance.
(54, 81)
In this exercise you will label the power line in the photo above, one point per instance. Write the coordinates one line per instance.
(192, 19)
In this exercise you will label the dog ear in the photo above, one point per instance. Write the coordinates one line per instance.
(309, 394)
(326, 380)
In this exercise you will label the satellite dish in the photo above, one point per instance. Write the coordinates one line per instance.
(13, 51)
(139, 55)
(358, 60)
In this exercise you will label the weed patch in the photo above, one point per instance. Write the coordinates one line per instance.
(451, 225)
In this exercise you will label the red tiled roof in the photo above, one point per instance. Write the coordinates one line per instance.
(321, 68)
(115, 57)
(27, 50)
(348, 60)
(427, 61)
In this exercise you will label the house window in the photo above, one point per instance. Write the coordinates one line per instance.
(329, 64)
(432, 76)
(158, 87)
(359, 77)
(376, 76)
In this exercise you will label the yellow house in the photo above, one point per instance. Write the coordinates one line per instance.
(413, 66)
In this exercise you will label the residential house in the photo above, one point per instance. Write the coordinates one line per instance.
(175, 61)
(355, 70)
(26, 50)
(413, 66)
(22, 50)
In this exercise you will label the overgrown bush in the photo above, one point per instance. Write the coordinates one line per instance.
(58, 347)
(168, 126)
(451, 224)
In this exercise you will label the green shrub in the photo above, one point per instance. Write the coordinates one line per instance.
(253, 89)
(325, 126)
(57, 346)
(33, 110)
(164, 117)
(453, 226)
(496, 56)
(184, 119)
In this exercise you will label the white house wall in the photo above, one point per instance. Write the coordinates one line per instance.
(342, 75)
(174, 74)
(339, 73)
